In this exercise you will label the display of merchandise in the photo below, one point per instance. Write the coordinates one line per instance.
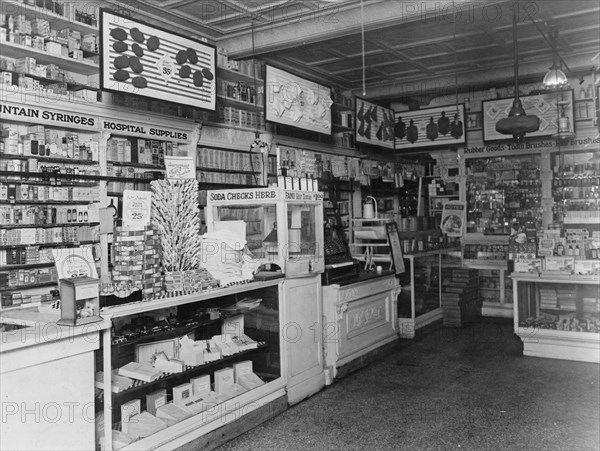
(569, 308)
(460, 297)
(503, 194)
(136, 259)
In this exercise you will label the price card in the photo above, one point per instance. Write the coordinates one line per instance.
(136, 208)
(74, 262)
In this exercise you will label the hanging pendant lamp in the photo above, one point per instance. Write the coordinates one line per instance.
(518, 123)
(555, 78)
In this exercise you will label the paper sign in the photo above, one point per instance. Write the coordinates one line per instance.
(180, 168)
(74, 262)
(453, 218)
(136, 208)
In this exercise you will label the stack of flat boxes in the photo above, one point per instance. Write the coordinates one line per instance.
(460, 296)
(136, 259)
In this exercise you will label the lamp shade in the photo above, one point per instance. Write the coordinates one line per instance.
(555, 79)
(518, 122)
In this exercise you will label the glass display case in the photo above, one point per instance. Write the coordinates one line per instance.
(281, 227)
(423, 288)
(558, 316)
(177, 366)
(576, 188)
(503, 194)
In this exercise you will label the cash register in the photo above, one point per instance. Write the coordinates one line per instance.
(340, 267)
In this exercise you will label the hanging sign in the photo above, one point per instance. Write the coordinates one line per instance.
(547, 107)
(180, 168)
(136, 208)
(374, 124)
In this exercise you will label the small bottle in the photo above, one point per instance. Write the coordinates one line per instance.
(570, 251)
(576, 251)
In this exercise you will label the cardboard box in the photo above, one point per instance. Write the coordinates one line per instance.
(182, 393)
(223, 379)
(172, 413)
(200, 385)
(155, 400)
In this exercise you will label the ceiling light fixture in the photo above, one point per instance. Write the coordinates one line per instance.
(555, 78)
(518, 122)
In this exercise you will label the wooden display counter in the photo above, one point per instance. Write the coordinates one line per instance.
(359, 318)
(47, 382)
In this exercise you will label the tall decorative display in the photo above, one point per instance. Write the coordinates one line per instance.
(176, 215)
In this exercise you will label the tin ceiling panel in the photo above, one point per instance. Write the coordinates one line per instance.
(404, 41)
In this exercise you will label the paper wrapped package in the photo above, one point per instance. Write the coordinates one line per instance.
(224, 256)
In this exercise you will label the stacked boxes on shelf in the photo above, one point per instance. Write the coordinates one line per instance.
(48, 235)
(460, 299)
(548, 297)
(136, 259)
(238, 117)
(142, 151)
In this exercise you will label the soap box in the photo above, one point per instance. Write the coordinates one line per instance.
(223, 379)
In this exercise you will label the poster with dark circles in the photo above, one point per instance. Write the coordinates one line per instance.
(140, 59)
(430, 127)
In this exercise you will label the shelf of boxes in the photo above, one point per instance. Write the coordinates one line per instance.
(61, 15)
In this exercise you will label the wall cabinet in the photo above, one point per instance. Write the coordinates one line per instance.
(557, 316)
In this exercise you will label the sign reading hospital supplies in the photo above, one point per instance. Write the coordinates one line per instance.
(453, 218)
(136, 208)
(180, 168)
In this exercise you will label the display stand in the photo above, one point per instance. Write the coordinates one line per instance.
(284, 229)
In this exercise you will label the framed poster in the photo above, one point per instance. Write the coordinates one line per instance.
(374, 124)
(453, 218)
(547, 107)
(430, 127)
(137, 58)
(393, 234)
(298, 102)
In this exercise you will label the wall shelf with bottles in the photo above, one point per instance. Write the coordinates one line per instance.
(503, 194)
(576, 189)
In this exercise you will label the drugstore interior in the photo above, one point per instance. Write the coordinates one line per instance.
(214, 207)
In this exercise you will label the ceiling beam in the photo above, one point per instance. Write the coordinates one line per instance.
(335, 23)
